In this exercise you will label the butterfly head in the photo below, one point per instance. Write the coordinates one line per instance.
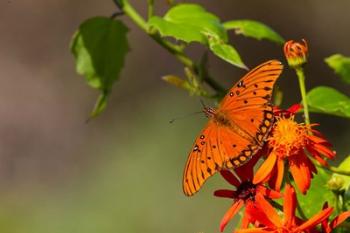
(209, 112)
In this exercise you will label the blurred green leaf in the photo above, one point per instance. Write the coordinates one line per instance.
(177, 82)
(341, 65)
(99, 47)
(317, 195)
(191, 84)
(328, 100)
(189, 23)
(100, 105)
(226, 52)
(277, 96)
(254, 29)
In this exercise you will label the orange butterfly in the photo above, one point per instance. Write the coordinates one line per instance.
(236, 130)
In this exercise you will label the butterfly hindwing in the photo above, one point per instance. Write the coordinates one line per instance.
(210, 153)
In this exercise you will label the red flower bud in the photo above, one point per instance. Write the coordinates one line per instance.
(296, 53)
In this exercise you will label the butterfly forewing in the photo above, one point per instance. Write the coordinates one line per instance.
(248, 110)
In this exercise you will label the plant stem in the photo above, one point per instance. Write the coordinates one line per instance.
(176, 50)
(301, 212)
(337, 170)
(150, 8)
(301, 79)
(331, 168)
(134, 15)
(276, 205)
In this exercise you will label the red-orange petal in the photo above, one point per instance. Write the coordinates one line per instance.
(300, 172)
(280, 174)
(270, 218)
(253, 230)
(289, 205)
(272, 194)
(316, 219)
(310, 165)
(230, 214)
(246, 172)
(265, 169)
(316, 139)
(317, 156)
(230, 178)
(339, 219)
(225, 193)
(324, 150)
(245, 221)
(294, 108)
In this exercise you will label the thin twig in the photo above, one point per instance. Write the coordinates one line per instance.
(116, 14)
(150, 8)
(174, 49)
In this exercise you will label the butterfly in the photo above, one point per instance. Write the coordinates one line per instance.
(236, 130)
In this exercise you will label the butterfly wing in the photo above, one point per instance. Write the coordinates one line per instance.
(210, 153)
(247, 106)
(248, 109)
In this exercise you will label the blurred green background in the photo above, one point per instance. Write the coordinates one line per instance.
(122, 172)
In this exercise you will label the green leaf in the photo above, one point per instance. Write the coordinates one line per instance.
(100, 105)
(317, 195)
(341, 65)
(99, 48)
(330, 101)
(277, 96)
(192, 23)
(189, 23)
(254, 29)
(226, 52)
(185, 33)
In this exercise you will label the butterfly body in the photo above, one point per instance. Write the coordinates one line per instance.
(236, 130)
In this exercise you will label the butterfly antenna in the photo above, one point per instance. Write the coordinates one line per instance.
(184, 116)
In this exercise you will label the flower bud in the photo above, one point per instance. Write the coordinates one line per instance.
(296, 53)
(336, 183)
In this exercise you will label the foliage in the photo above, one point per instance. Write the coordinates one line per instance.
(330, 101)
(341, 65)
(253, 29)
(317, 194)
(100, 46)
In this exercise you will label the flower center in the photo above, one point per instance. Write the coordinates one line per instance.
(246, 190)
(288, 137)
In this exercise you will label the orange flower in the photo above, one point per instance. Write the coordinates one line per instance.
(296, 53)
(270, 220)
(328, 227)
(244, 194)
(290, 143)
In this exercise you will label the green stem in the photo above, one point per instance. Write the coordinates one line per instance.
(134, 15)
(176, 50)
(301, 79)
(215, 85)
(150, 8)
(301, 212)
(331, 168)
(337, 170)
(276, 205)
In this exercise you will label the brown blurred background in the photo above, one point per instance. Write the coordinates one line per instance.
(122, 172)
